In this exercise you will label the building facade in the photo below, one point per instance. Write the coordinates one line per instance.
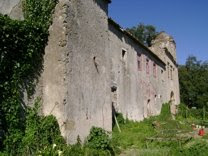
(93, 67)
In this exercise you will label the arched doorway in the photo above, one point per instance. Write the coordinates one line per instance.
(172, 98)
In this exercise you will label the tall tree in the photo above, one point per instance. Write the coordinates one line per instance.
(144, 33)
(194, 83)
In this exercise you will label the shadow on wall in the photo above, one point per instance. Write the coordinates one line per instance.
(148, 108)
(103, 5)
(173, 103)
(172, 98)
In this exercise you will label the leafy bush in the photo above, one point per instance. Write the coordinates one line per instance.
(98, 139)
(21, 51)
(40, 132)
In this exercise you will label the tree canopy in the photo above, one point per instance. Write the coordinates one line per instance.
(144, 33)
(193, 78)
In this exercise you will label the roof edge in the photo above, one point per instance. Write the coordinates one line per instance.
(135, 39)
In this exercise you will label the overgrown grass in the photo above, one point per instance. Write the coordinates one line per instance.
(159, 136)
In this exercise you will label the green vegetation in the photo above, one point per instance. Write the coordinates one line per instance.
(22, 45)
(194, 83)
(98, 139)
(144, 33)
(24, 132)
(160, 136)
(40, 134)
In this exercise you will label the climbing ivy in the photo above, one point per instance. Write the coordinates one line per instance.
(22, 45)
(39, 12)
(22, 130)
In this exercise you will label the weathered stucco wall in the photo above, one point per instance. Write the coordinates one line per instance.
(12, 8)
(139, 93)
(76, 81)
(88, 96)
(90, 64)
(53, 80)
(165, 47)
(124, 76)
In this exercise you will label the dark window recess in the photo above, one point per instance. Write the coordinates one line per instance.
(154, 70)
(113, 89)
(139, 61)
(123, 53)
(171, 73)
(147, 66)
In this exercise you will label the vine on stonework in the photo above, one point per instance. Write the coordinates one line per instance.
(22, 45)
(22, 130)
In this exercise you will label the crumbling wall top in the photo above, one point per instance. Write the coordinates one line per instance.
(163, 45)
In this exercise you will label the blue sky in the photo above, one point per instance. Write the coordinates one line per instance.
(185, 20)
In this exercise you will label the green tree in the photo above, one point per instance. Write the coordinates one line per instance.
(193, 82)
(144, 33)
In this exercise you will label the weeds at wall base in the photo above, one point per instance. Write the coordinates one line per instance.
(160, 136)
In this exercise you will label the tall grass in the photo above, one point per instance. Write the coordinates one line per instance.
(157, 136)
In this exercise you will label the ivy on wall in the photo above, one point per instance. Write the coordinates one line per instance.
(22, 45)
(39, 12)
(22, 130)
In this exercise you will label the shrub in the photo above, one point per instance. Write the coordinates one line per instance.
(98, 139)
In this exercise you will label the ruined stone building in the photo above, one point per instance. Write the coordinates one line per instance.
(92, 66)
